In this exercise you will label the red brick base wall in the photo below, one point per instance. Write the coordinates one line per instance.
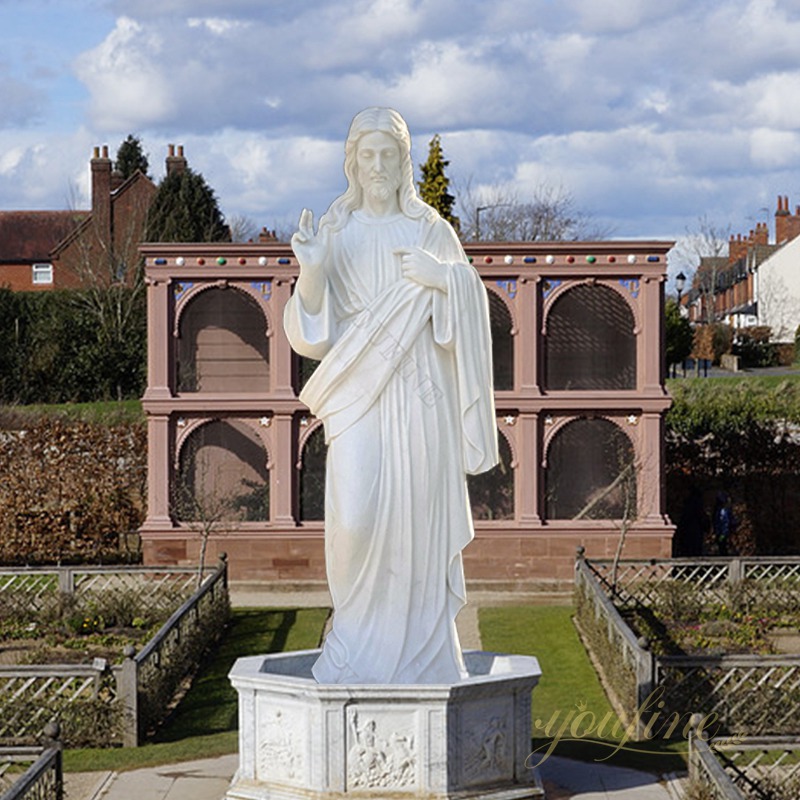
(496, 555)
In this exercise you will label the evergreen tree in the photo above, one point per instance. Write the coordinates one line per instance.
(678, 334)
(434, 184)
(185, 209)
(131, 157)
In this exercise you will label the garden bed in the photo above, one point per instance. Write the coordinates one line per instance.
(741, 617)
(102, 651)
(73, 630)
(709, 637)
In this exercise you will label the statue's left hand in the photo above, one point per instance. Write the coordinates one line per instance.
(420, 266)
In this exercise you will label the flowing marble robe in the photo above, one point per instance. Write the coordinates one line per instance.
(404, 389)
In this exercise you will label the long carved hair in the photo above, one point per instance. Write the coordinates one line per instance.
(386, 120)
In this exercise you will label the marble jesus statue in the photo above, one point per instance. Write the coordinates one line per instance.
(389, 303)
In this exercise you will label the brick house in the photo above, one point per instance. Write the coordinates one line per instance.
(756, 283)
(44, 250)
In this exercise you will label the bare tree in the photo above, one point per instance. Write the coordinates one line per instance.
(206, 498)
(703, 251)
(621, 491)
(778, 306)
(499, 213)
(243, 228)
(110, 273)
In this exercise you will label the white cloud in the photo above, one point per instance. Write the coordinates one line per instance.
(127, 88)
(219, 26)
(650, 113)
(771, 149)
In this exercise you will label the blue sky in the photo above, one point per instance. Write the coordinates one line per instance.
(651, 114)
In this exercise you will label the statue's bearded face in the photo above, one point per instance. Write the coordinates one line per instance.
(379, 164)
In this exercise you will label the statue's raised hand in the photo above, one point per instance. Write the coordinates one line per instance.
(310, 249)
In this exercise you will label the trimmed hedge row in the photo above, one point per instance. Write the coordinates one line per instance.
(70, 491)
(741, 438)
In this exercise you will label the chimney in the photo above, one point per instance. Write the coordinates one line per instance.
(761, 236)
(267, 236)
(175, 163)
(101, 193)
(787, 225)
(737, 248)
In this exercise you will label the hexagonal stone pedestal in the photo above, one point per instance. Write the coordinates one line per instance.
(300, 740)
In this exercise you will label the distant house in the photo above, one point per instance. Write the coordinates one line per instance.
(27, 242)
(757, 283)
(43, 250)
(777, 292)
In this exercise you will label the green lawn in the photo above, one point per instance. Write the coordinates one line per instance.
(109, 412)
(204, 723)
(569, 704)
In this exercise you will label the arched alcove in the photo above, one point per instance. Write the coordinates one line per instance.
(502, 343)
(312, 477)
(591, 472)
(491, 494)
(222, 476)
(590, 342)
(222, 346)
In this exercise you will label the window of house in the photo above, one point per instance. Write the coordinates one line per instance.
(42, 273)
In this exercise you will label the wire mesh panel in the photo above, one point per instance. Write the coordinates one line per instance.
(502, 343)
(223, 345)
(590, 472)
(491, 493)
(222, 475)
(590, 342)
(312, 477)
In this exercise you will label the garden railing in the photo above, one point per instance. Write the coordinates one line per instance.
(743, 694)
(766, 768)
(121, 703)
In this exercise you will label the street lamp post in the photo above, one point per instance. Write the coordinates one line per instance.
(680, 282)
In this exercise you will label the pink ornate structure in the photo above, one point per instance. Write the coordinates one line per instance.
(236, 459)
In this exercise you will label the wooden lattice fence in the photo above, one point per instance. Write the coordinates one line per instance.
(98, 704)
(84, 698)
(40, 589)
(751, 769)
(737, 694)
(175, 651)
(646, 583)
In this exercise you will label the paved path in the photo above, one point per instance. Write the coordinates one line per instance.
(208, 780)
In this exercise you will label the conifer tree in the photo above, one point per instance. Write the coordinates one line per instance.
(131, 157)
(434, 184)
(185, 209)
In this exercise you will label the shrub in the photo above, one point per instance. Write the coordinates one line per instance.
(754, 348)
(70, 491)
(797, 345)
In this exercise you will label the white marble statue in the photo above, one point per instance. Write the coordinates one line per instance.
(387, 300)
